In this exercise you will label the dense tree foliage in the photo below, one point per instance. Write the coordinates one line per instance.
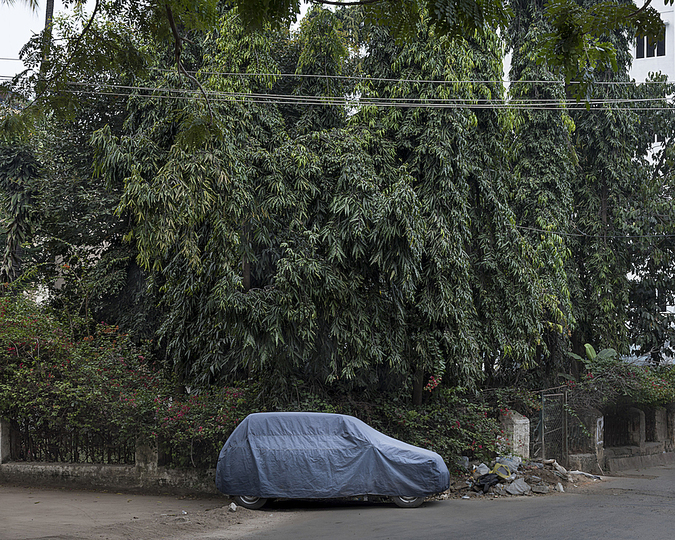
(544, 161)
(341, 208)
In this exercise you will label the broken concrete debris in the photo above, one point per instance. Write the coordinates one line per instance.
(510, 476)
(518, 487)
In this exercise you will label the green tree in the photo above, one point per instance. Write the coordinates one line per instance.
(19, 172)
(572, 45)
(544, 165)
(651, 217)
(63, 216)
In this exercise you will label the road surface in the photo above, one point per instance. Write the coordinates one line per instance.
(641, 505)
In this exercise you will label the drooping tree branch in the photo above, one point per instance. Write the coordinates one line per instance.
(178, 49)
(638, 11)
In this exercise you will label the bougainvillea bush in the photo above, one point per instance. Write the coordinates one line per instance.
(609, 381)
(90, 397)
(71, 398)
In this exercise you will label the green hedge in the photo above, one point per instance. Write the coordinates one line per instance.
(101, 385)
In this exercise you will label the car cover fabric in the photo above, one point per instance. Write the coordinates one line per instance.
(320, 455)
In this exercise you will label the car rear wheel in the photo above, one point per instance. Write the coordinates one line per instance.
(407, 502)
(252, 503)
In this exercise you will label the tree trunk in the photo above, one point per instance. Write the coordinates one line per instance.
(46, 39)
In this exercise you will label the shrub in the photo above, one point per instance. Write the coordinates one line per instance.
(610, 381)
(71, 396)
(72, 399)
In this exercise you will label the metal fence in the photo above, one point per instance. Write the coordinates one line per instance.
(37, 443)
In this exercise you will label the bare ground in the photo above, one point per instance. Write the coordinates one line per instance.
(37, 513)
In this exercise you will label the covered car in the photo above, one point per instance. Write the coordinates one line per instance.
(322, 456)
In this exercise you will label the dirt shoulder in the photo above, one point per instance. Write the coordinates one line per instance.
(35, 513)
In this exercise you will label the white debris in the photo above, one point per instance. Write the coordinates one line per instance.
(589, 475)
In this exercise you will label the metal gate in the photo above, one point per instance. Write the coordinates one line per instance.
(548, 436)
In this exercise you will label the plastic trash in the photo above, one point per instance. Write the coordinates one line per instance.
(518, 487)
(512, 462)
(485, 482)
(482, 469)
(501, 470)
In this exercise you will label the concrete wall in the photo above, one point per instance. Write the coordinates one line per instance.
(144, 475)
(645, 451)
(113, 477)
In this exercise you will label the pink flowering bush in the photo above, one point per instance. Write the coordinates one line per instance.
(193, 429)
(69, 398)
(609, 380)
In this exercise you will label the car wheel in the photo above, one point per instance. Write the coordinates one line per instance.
(252, 503)
(407, 502)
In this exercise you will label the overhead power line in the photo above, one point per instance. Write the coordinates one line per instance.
(149, 92)
(582, 234)
(363, 78)
(347, 98)
(403, 80)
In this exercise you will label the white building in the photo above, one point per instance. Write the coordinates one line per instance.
(652, 54)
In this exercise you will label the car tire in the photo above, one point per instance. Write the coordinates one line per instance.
(407, 502)
(252, 503)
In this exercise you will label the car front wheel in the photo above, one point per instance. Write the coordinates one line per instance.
(407, 502)
(252, 503)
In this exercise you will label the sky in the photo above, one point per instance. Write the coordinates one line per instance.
(18, 23)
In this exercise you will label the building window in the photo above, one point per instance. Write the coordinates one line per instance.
(649, 46)
(640, 47)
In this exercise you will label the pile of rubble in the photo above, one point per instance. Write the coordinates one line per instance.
(510, 476)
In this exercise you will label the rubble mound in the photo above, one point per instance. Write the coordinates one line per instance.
(510, 476)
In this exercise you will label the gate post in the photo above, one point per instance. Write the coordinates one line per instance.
(5, 447)
(517, 430)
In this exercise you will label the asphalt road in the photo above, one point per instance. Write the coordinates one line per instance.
(635, 507)
(642, 506)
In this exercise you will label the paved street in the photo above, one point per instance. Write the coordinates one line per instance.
(619, 508)
(638, 506)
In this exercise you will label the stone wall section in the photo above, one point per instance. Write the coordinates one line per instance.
(651, 437)
(144, 476)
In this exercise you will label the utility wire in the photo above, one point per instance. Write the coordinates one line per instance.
(453, 103)
(582, 234)
(341, 99)
(429, 81)
(399, 80)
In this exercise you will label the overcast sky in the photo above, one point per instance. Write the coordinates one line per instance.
(18, 23)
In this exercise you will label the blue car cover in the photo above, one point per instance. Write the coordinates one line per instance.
(319, 455)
